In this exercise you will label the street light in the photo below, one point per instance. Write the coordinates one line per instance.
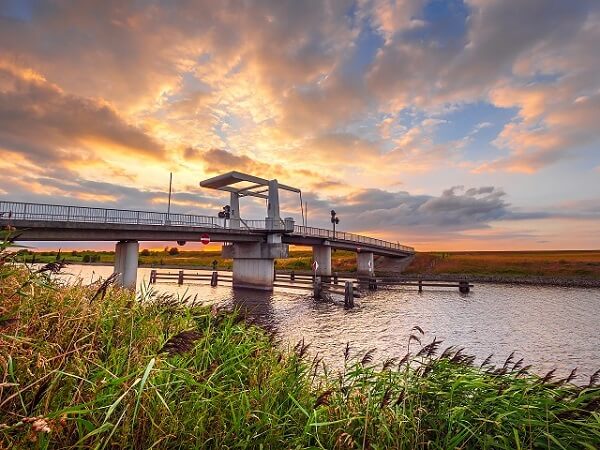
(334, 220)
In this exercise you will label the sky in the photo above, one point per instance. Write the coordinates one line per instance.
(445, 125)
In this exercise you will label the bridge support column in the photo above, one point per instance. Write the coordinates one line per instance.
(322, 255)
(126, 263)
(365, 265)
(254, 263)
(234, 201)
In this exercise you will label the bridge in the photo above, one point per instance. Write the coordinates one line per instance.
(252, 244)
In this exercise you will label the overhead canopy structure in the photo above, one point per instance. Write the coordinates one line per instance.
(243, 184)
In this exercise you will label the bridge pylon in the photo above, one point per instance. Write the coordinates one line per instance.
(254, 263)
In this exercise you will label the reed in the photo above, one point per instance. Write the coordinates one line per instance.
(94, 366)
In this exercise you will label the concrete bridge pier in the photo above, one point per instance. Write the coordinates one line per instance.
(322, 255)
(126, 263)
(365, 265)
(254, 263)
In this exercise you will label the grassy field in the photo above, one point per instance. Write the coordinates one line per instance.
(559, 264)
(342, 261)
(93, 366)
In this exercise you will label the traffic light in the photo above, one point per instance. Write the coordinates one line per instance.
(226, 213)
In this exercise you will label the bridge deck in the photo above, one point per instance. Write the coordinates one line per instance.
(45, 222)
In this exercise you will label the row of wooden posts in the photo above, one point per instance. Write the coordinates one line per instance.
(214, 277)
(180, 276)
(316, 284)
(319, 285)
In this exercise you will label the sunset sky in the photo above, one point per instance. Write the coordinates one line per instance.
(441, 124)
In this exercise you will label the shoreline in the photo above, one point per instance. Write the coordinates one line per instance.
(530, 280)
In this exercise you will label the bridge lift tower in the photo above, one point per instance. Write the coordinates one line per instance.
(253, 262)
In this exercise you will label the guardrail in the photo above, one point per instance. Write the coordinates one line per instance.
(349, 237)
(85, 214)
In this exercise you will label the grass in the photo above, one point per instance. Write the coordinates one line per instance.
(558, 264)
(301, 260)
(94, 366)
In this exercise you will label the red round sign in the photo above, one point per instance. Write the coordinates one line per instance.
(205, 239)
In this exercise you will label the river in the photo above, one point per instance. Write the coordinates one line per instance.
(549, 327)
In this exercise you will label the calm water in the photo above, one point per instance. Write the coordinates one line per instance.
(550, 327)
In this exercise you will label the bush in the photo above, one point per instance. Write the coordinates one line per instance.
(145, 252)
(174, 251)
(87, 258)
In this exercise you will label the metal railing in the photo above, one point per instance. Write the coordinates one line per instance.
(249, 224)
(85, 214)
(349, 237)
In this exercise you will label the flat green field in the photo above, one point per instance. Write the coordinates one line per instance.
(558, 264)
(343, 261)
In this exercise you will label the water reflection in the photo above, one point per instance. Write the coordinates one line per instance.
(257, 305)
(550, 327)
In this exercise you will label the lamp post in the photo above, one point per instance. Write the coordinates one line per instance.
(168, 219)
(334, 220)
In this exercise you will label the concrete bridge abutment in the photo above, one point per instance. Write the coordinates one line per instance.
(322, 255)
(365, 265)
(126, 263)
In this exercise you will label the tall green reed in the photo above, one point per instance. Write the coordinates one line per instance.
(94, 366)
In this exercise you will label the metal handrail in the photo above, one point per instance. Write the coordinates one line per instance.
(252, 224)
(349, 237)
(86, 214)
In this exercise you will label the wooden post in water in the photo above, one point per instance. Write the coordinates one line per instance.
(463, 287)
(180, 279)
(335, 278)
(372, 284)
(153, 276)
(420, 286)
(214, 279)
(292, 276)
(318, 288)
(348, 295)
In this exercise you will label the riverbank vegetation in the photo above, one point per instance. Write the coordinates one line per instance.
(300, 260)
(94, 366)
(554, 265)
(551, 264)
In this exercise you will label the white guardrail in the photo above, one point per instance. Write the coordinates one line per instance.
(86, 214)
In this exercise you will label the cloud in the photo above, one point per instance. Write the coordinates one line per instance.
(84, 192)
(218, 160)
(46, 125)
(338, 96)
(554, 124)
(547, 39)
(453, 210)
(464, 67)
